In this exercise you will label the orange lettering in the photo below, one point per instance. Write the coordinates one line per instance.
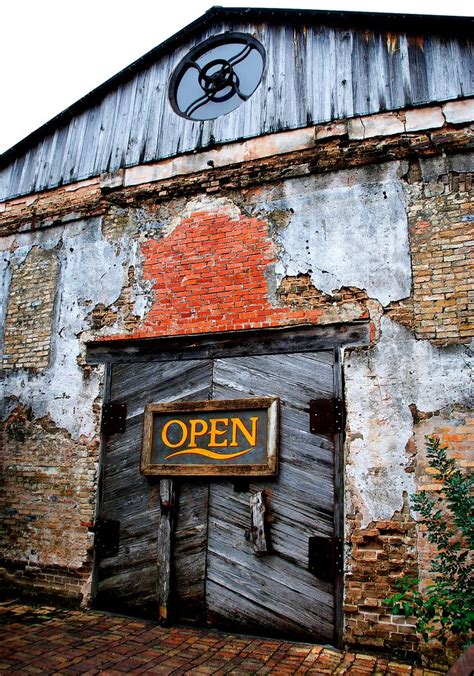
(164, 433)
(215, 432)
(194, 432)
(238, 424)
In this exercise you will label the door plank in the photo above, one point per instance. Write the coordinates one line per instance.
(190, 551)
(128, 581)
(165, 534)
(276, 593)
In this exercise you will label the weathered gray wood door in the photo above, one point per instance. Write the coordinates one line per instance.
(216, 576)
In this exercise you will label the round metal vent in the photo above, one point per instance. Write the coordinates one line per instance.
(217, 76)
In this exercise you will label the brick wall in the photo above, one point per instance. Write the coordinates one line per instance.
(210, 274)
(182, 269)
(39, 581)
(347, 304)
(384, 551)
(379, 555)
(27, 338)
(47, 497)
(455, 428)
(441, 221)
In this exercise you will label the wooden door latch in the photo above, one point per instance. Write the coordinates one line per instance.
(258, 534)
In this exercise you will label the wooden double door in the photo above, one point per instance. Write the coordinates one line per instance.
(216, 577)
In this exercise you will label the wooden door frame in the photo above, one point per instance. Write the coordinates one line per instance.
(332, 337)
(295, 339)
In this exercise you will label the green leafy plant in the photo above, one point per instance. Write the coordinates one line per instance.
(444, 608)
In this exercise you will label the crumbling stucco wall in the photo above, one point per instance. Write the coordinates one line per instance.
(311, 249)
(391, 390)
(381, 384)
(61, 391)
(391, 244)
(51, 414)
(221, 263)
(347, 228)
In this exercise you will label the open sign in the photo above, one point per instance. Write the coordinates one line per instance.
(232, 437)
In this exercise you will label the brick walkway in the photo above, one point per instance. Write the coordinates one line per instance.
(45, 640)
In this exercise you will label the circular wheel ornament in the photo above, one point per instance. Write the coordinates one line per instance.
(217, 76)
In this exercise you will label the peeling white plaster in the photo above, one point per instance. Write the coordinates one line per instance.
(380, 384)
(6, 242)
(141, 302)
(349, 228)
(90, 270)
(204, 203)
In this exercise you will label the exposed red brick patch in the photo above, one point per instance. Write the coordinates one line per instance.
(210, 274)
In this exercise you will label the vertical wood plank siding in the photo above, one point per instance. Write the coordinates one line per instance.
(314, 73)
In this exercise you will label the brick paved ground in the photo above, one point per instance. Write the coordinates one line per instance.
(45, 640)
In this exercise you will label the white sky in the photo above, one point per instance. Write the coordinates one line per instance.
(52, 52)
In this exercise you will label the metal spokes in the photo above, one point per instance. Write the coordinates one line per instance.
(217, 76)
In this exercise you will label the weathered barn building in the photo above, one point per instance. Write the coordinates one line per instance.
(272, 207)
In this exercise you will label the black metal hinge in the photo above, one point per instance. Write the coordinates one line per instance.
(326, 416)
(325, 557)
(107, 537)
(114, 416)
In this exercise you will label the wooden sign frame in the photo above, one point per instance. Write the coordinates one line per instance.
(267, 468)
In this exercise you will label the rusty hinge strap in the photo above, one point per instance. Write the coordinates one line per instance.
(325, 557)
(107, 537)
(114, 416)
(326, 416)
(338, 414)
